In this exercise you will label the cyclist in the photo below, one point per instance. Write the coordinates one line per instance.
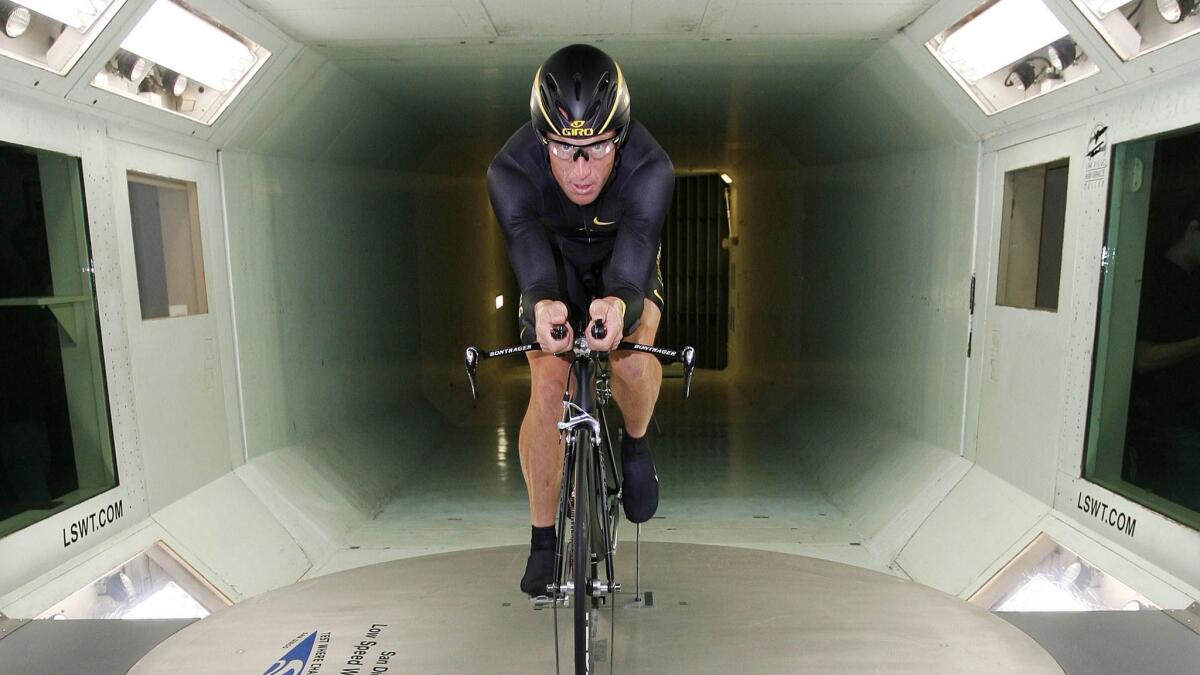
(581, 193)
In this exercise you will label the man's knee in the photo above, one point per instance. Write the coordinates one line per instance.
(632, 366)
(547, 375)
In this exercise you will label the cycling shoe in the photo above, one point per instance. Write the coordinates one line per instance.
(639, 493)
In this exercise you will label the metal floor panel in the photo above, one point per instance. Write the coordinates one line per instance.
(92, 646)
(717, 609)
(1113, 643)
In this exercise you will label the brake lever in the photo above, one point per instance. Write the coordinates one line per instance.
(688, 357)
(472, 362)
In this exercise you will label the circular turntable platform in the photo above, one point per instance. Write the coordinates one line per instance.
(714, 609)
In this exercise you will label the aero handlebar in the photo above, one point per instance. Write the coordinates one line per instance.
(686, 356)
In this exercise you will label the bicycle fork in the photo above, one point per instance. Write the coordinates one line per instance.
(577, 417)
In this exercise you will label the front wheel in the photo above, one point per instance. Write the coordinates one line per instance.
(580, 531)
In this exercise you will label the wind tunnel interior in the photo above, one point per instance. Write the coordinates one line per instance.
(850, 205)
(326, 422)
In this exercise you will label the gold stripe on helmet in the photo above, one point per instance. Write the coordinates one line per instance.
(617, 99)
(537, 97)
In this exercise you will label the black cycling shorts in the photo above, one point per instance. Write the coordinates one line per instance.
(578, 287)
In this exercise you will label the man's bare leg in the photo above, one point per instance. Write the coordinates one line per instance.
(541, 452)
(542, 465)
(637, 378)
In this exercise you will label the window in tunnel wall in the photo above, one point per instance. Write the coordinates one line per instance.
(1143, 437)
(166, 245)
(1031, 236)
(56, 447)
(695, 268)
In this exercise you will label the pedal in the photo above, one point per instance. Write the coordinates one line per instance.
(601, 588)
(545, 601)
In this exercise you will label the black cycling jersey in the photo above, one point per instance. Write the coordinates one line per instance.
(617, 234)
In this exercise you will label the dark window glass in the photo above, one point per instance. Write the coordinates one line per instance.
(1144, 432)
(55, 444)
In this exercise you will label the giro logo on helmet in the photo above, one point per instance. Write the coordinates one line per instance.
(577, 129)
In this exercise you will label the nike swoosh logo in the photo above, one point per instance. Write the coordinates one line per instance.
(601, 223)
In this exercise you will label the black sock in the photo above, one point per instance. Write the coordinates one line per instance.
(543, 539)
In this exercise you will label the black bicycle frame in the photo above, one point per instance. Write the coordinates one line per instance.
(583, 398)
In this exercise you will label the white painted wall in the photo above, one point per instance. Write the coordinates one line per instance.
(890, 245)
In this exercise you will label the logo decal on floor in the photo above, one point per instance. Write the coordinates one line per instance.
(293, 662)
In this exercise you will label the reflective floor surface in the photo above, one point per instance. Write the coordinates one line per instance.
(726, 478)
(716, 609)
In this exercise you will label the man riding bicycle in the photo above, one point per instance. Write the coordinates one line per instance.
(581, 193)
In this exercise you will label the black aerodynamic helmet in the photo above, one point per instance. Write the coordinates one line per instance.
(579, 92)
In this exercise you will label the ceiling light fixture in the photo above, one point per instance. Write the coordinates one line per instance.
(133, 67)
(1175, 11)
(16, 19)
(174, 82)
(1002, 34)
(78, 14)
(1063, 54)
(175, 38)
(1022, 77)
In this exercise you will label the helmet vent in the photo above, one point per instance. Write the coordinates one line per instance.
(578, 86)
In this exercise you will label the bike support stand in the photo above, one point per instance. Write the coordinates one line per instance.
(639, 600)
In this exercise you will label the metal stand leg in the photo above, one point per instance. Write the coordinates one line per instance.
(637, 566)
(640, 600)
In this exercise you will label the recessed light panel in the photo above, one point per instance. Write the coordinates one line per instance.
(52, 34)
(1135, 27)
(156, 584)
(181, 61)
(1007, 52)
(1049, 577)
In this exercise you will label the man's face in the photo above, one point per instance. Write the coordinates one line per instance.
(580, 176)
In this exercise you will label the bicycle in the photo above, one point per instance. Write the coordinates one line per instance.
(590, 496)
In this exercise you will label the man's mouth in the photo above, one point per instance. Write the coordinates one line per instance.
(581, 188)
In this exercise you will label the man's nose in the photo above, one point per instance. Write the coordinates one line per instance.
(581, 167)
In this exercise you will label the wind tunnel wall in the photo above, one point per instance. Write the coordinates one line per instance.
(345, 284)
(364, 256)
(898, 189)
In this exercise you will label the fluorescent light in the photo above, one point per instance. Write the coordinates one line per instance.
(725, 177)
(169, 602)
(78, 14)
(175, 38)
(499, 301)
(1002, 34)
